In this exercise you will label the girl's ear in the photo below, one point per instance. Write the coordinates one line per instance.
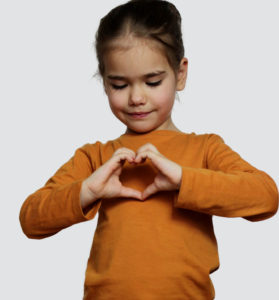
(182, 74)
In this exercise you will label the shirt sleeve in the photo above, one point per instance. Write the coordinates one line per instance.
(228, 186)
(57, 205)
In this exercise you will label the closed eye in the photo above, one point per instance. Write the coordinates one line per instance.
(119, 87)
(156, 83)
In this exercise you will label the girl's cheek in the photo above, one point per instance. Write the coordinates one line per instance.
(116, 101)
(165, 95)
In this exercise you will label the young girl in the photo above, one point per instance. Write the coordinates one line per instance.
(155, 187)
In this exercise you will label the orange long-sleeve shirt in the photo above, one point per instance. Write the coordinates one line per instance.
(163, 247)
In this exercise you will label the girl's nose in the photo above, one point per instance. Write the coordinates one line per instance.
(136, 96)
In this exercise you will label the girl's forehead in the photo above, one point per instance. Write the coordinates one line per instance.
(134, 55)
(139, 46)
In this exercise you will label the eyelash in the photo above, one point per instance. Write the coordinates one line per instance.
(151, 84)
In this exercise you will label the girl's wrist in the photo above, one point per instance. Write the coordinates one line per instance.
(86, 195)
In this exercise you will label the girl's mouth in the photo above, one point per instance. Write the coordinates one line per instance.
(139, 115)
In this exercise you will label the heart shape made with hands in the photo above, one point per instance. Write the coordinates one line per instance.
(168, 175)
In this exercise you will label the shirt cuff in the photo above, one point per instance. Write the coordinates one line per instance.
(76, 204)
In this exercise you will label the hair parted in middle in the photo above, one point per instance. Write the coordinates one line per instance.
(157, 20)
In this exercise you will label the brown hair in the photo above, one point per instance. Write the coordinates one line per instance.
(157, 20)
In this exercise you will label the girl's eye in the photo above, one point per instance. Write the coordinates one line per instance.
(119, 87)
(154, 83)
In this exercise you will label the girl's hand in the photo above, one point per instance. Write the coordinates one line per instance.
(105, 183)
(169, 173)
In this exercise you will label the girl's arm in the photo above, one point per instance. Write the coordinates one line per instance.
(57, 205)
(228, 187)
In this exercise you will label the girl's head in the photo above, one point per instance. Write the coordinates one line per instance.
(141, 60)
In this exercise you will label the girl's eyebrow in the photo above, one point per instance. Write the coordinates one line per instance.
(148, 75)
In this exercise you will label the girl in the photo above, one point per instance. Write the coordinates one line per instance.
(155, 187)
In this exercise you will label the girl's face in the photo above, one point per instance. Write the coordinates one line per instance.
(141, 85)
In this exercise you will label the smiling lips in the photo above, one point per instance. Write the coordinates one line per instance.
(139, 115)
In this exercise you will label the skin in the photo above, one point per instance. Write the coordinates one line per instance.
(129, 90)
(132, 62)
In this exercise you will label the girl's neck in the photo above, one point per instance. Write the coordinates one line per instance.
(170, 127)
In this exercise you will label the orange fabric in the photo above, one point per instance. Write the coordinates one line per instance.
(163, 247)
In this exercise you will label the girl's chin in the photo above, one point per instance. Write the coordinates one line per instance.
(140, 128)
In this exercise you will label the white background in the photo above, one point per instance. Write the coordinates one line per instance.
(50, 106)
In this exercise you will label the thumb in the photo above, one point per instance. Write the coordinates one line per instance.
(129, 192)
(150, 189)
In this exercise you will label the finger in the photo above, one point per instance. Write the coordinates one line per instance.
(130, 154)
(147, 146)
(121, 157)
(124, 150)
(129, 192)
(142, 156)
(160, 162)
(151, 189)
(115, 163)
(154, 157)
